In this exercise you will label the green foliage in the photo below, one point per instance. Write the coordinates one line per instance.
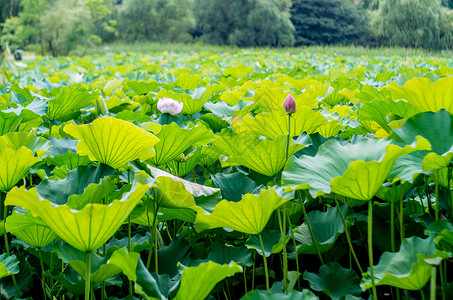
(320, 22)
(162, 20)
(253, 23)
(417, 23)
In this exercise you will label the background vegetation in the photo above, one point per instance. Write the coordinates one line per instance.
(58, 27)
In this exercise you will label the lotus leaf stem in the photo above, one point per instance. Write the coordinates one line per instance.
(392, 225)
(295, 249)
(266, 273)
(348, 237)
(87, 276)
(432, 290)
(285, 254)
(442, 280)
(370, 247)
(42, 275)
(401, 213)
(436, 209)
(310, 229)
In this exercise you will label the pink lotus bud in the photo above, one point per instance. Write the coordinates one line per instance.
(289, 105)
(169, 106)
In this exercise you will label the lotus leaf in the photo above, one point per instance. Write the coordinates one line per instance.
(15, 165)
(250, 215)
(406, 269)
(68, 100)
(8, 265)
(86, 229)
(112, 141)
(197, 282)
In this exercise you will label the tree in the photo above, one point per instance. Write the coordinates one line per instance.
(244, 23)
(155, 20)
(321, 22)
(415, 23)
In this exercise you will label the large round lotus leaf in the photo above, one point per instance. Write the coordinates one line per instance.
(437, 128)
(15, 140)
(197, 282)
(405, 269)
(275, 123)
(31, 230)
(442, 230)
(86, 229)
(327, 227)
(355, 170)
(175, 140)
(334, 281)
(250, 215)
(266, 157)
(425, 94)
(112, 141)
(15, 165)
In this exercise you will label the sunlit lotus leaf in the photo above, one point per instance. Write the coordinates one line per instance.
(275, 123)
(437, 128)
(67, 101)
(18, 119)
(188, 81)
(406, 269)
(408, 167)
(425, 94)
(9, 265)
(250, 215)
(175, 140)
(31, 230)
(186, 164)
(141, 87)
(266, 157)
(15, 140)
(172, 194)
(143, 214)
(112, 141)
(382, 112)
(355, 170)
(327, 227)
(334, 281)
(93, 193)
(392, 193)
(329, 129)
(15, 165)
(86, 229)
(197, 282)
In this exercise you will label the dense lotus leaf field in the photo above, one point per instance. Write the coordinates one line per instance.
(111, 190)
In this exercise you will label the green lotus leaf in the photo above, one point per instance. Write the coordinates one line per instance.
(141, 87)
(250, 215)
(197, 282)
(224, 254)
(271, 99)
(19, 119)
(175, 140)
(15, 165)
(327, 227)
(9, 265)
(197, 190)
(93, 193)
(234, 186)
(172, 194)
(408, 167)
(275, 123)
(293, 295)
(188, 81)
(267, 157)
(379, 111)
(437, 128)
(112, 141)
(150, 286)
(31, 230)
(67, 101)
(393, 193)
(15, 140)
(334, 281)
(355, 170)
(100, 267)
(143, 214)
(406, 269)
(442, 230)
(59, 191)
(64, 153)
(425, 94)
(86, 229)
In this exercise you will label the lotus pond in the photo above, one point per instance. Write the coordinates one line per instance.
(103, 196)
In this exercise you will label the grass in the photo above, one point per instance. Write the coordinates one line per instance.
(150, 47)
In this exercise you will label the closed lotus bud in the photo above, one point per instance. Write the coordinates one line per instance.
(289, 105)
(169, 106)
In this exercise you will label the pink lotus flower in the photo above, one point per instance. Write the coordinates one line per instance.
(289, 105)
(169, 106)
